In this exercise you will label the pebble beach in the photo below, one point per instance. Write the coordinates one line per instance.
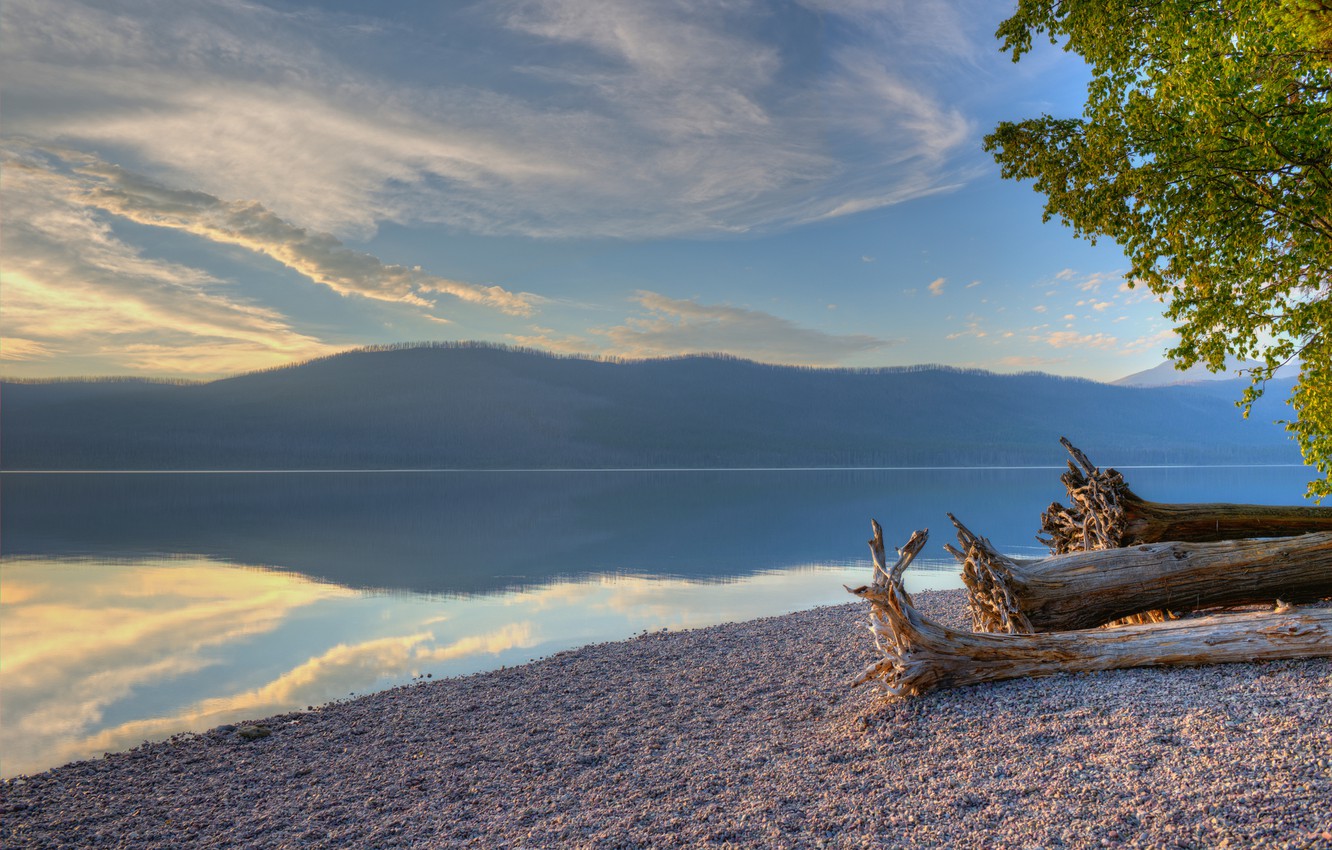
(739, 735)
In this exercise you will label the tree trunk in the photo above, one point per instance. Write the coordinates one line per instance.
(920, 655)
(1106, 514)
(1085, 589)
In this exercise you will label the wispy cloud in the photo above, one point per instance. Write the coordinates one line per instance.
(76, 289)
(674, 326)
(972, 328)
(936, 286)
(630, 118)
(18, 348)
(319, 256)
(679, 326)
(72, 286)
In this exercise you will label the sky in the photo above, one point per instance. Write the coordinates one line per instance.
(196, 189)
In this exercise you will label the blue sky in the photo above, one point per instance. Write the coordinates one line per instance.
(194, 189)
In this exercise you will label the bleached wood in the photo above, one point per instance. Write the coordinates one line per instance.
(1103, 513)
(919, 655)
(1086, 589)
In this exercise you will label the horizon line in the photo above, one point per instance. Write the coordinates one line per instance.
(428, 470)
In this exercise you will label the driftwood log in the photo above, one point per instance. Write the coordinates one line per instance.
(920, 655)
(1104, 513)
(1082, 590)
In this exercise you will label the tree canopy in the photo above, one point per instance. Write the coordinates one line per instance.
(1205, 151)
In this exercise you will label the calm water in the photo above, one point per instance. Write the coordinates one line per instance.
(133, 606)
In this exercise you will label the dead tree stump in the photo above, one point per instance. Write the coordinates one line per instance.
(919, 655)
(1104, 513)
(1086, 589)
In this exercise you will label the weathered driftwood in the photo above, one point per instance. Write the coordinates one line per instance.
(1105, 514)
(1086, 589)
(920, 655)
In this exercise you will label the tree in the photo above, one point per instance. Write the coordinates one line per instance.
(1205, 151)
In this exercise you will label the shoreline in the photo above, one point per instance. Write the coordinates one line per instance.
(743, 734)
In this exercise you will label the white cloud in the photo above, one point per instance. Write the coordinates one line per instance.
(679, 326)
(1073, 339)
(628, 118)
(930, 31)
(936, 286)
(1158, 341)
(971, 329)
(1092, 281)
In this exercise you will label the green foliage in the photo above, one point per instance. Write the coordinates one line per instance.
(1313, 22)
(1205, 151)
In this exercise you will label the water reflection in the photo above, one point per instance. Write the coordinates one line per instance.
(127, 611)
(482, 532)
(101, 656)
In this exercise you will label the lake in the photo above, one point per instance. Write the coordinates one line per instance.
(136, 606)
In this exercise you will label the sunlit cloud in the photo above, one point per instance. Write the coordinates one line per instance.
(318, 256)
(72, 287)
(18, 348)
(1029, 362)
(1073, 339)
(936, 286)
(680, 326)
(548, 339)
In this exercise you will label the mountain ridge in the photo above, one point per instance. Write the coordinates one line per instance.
(482, 406)
(1165, 374)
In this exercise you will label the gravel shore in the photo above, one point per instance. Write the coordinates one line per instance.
(742, 735)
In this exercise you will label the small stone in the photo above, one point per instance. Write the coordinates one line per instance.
(252, 733)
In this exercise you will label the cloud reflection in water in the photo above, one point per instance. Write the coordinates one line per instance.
(102, 655)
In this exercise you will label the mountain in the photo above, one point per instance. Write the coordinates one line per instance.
(477, 406)
(1165, 374)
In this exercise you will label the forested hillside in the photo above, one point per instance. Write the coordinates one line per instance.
(475, 406)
